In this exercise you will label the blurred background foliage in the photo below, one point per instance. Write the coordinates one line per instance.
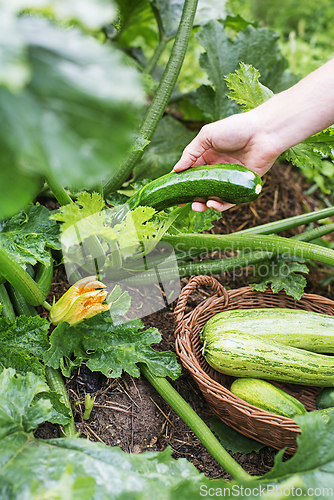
(306, 28)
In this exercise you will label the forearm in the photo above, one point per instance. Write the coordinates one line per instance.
(301, 111)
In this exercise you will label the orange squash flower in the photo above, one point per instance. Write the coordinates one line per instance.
(82, 301)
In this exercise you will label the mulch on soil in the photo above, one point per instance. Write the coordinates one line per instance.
(127, 411)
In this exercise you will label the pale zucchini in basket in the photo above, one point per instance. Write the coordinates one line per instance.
(243, 355)
(292, 327)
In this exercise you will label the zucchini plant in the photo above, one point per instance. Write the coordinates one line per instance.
(78, 124)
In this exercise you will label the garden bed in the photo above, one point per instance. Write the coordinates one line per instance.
(128, 412)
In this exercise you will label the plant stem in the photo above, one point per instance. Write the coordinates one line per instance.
(161, 97)
(46, 306)
(196, 424)
(215, 266)
(282, 225)
(55, 381)
(57, 189)
(149, 68)
(317, 232)
(267, 243)
(20, 279)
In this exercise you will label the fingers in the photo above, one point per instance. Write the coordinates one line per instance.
(219, 206)
(198, 206)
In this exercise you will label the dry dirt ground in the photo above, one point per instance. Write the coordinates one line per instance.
(127, 411)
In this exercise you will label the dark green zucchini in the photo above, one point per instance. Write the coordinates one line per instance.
(229, 182)
(20, 304)
(7, 306)
(44, 275)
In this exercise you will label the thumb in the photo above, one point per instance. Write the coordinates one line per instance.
(193, 152)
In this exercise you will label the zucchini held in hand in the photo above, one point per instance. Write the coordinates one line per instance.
(244, 355)
(292, 327)
(229, 182)
(262, 394)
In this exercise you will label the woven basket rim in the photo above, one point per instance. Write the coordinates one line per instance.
(208, 379)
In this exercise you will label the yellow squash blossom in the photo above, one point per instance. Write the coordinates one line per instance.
(82, 301)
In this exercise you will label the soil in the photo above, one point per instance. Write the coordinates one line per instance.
(127, 411)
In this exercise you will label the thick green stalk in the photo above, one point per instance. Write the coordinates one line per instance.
(161, 97)
(57, 189)
(245, 242)
(196, 424)
(284, 224)
(55, 381)
(216, 266)
(20, 279)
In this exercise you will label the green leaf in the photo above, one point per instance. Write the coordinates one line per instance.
(238, 23)
(304, 155)
(18, 410)
(137, 24)
(69, 486)
(44, 467)
(310, 153)
(85, 205)
(169, 13)
(21, 361)
(232, 440)
(28, 235)
(313, 462)
(17, 187)
(90, 13)
(212, 103)
(23, 343)
(195, 222)
(120, 303)
(282, 276)
(109, 348)
(60, 413)
(26, 334)
(246, 89)
(256, 46)
(76, 116)
(166, 147)
(14, 67)
(208, 10)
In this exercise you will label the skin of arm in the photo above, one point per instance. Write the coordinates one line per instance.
(257, 137)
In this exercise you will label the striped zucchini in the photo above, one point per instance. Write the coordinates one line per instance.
(292, 327)
(244, 355)
(262, 394)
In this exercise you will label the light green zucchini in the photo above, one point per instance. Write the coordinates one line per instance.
(292, 327)
(265, 395)
(244, 355)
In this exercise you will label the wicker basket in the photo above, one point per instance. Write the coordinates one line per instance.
(272, 430)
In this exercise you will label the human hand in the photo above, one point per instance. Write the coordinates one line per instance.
(236, 139)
